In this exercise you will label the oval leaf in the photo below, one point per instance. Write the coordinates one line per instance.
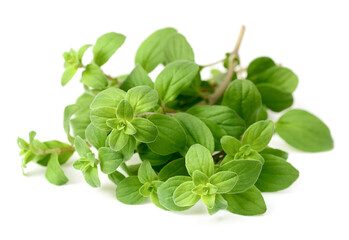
(106, 46)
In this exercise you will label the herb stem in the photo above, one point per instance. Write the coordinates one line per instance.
(219, 91)
(56, 150)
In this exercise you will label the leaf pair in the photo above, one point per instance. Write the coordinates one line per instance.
(134, 190)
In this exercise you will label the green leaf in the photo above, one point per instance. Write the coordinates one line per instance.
(258, 66)
(155, 159)
(224, 116)
(81, 147)
(146, 173)
(155, 199)
(262, 113)
(248, 203)
(68, 74)
(117, 139)
(275, 152)
(82, 51)
(199, 178)
(224, 181)
(94, 77)
(175, 77)
(166, 190)
(304, 131)
(275, 98)
(220, 203)
(199, 158)
(125, 110)
(95, 136)
(172, 169)
(276, 175)
(106, 46)
(146, 130)
(142, 98)
(54, 173)
(217, 132)
(137, 77)
(196, 131)
(230, 145)
(209, 200)
(63, 157)
(110, 97)
(281, 77)
(171, 137)
(127, 191)
(128, 150)
(178, 48)
(183, 195)
(91, 177)
(99, 117)
(247, 153)
(109, 159)
(243, 97)
(248, 172)
(151, 52)
(116, 177)
(259, 134)
(69, 111)
(82, 117)
(22, 144)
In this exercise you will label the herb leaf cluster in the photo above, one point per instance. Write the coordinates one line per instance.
(197, 139)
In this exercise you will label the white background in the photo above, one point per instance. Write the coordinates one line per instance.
(310, 37)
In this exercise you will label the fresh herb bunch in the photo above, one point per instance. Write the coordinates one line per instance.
(197, 139)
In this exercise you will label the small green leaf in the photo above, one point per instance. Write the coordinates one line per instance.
(117, 139)
(106, 46)
(258, 135)
(258, 66)
(175, 77)
(155, 159)
(275, 98)
(275, 152)
(81, 147)
(171, 137)
(125, 110)
(109, 159)
(127, 191)
(94, 77)
(247, 153)
(110, 97)
(69, 111)
(209, 200)
(304, 131)
(82, 51)
(155, 199)
(183, 195)
(142, 98)
(146, 173)
(196, 131)
(151, 52)
(54, 173)
(95, 136)
(99, 117)
(248, 172)
(199, 158)
(281, 77)
(199, 178)
(220, 203)
(116, 177)
(224, 181)
(22, 144)
(68, 74)
(276, 175)
(178, 48)
(137, 77)
(172, 169)
(128, 150)
(146, 130)
(243, 97)
(91, 177)
(224, 116)
(248, 203)
(230, 145)
(166, 190)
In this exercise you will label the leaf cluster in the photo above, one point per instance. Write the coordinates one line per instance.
(190, 147)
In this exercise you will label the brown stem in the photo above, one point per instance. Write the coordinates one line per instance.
(219, 91)
(56, 150)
